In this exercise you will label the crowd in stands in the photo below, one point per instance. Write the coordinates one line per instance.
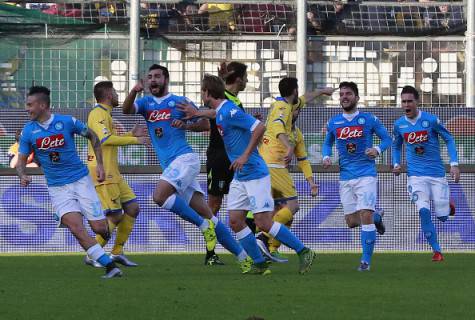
(273, 17)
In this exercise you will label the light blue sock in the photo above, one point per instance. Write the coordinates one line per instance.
(226, 239)
(284, 235)
(368, 238)
(177, 205)
(376, 217)
(428, 229)
(248, 242)
(104, 260)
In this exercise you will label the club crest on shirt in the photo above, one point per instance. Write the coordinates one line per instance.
(361, 120)
(171, 103)
(425, 124)
(59, 126)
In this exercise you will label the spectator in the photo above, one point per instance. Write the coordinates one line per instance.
(193, 20)
(221, 16)
(13, 153)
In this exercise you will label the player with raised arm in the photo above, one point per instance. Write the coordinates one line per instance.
(353, 133)
(419, 131)
(277, 149)
(250, 188)
(117, 198)
(51, 137)
(178, 190)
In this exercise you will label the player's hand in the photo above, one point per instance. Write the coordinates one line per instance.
(178, 124)
(144, 140)
(397, 170)
(455, 173)
(100, 173)
(289, 155)
(25, 180)
(372, 153)
(139, 130)
(327, 91)
(326, 163)
(139, 86)
(188, 109)
(314, 190)
(239, 163)
(258, 116)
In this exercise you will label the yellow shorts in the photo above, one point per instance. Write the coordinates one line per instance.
(282, 184)
(113, 196)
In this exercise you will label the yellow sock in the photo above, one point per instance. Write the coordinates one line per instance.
(284, 216)
(102, 242)
(124, 229)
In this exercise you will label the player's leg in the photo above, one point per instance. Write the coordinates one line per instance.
(110, 203)
(440, 192)
(419, 191)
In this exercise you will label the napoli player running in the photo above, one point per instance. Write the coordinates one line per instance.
(178, 190)
(250, 188)
(51, 137)
(353, 132)
(419, 131)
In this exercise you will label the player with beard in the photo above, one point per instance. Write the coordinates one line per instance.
(178, 189)
(117, 198)
(353, 133)
(277, 149)
(419, 131)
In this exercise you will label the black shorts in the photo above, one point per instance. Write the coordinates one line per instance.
(219, 175)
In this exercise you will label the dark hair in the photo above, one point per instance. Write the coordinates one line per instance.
(411, 89)
(42, 92)
(159, 67)
(351, 85)
(214, 85)
(101, 89)
(235, 70)
(287, 86)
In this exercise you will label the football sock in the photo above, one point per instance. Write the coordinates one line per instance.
(225, 238)
(248, 242)
(368, 238)
(284, 235)
(283, 216)
(428, 229)
(100, 239)
(124, 229)
(96, 252)
(177, 205)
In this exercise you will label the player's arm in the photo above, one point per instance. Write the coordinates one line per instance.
(303, 163)
(24, 150)
(327, 147)
(257, 130)
(191, 112)
(396, 150)
(310, 96)
(383, 135)
(279, 129)
(128, 105)
(284, 139)
(451, 149)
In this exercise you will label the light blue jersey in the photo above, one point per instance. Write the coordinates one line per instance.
(236, 126)
(54, 147)
(353, 136)
(421, 139)
(168, 142)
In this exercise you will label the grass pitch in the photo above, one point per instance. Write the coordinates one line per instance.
(399, 286)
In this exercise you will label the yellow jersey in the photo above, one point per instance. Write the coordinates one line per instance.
(279, 121)
(301, 153)
(100, 121)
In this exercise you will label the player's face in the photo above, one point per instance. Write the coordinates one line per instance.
(205, 97)
(348, 99)
(35, 107)
(114, 98)
(242, 82)
(157, 83)
(409, 105)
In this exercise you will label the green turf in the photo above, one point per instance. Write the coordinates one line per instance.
(399, 286)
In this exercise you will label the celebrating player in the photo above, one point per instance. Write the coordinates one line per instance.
(114, 192)
(51, 137)
(419, 131)
(353, 132)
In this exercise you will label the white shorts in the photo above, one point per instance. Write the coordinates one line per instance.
(254, 195)
(358, 194)
(79, 196)
(423, 189)
(182, 173)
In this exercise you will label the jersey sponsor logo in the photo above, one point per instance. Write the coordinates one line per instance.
(350, 132)
(419, 150)
(351, 147)
(159, 115)
(416, 137)
(220, 130)
(54, 156)
(50, 142)
(159, 132)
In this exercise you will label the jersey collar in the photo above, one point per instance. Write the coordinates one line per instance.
(414, 121)
(104, 106)
(160, 100)
(221, 104)
(351, 116)
(46, 124)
